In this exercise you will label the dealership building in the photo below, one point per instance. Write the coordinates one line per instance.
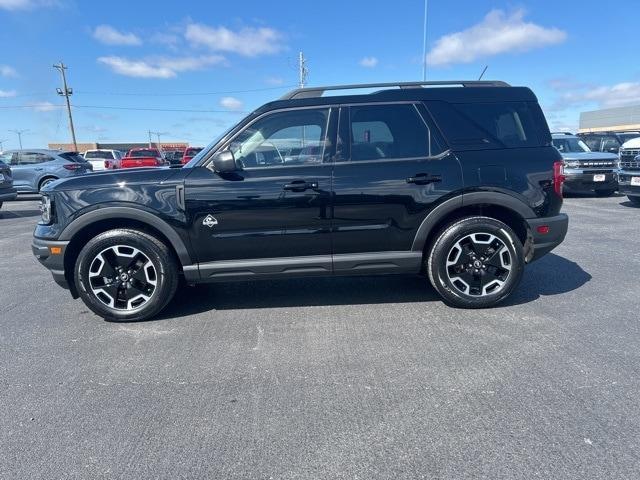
(620, 119)
(123, 147)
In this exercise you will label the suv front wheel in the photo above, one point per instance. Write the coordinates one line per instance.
(126, 275)
(475, 262)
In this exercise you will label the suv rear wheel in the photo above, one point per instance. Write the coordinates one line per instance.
(475, 262)
(126, 275)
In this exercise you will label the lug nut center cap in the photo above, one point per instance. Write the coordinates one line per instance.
(477, 264)
(124, 277)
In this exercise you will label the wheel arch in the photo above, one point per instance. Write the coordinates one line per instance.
(500, 206)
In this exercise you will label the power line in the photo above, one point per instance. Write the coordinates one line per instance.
(184, 94)
(109, 107)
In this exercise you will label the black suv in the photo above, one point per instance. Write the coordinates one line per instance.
(459, 182)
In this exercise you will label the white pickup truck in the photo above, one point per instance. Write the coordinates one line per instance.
(629, 170)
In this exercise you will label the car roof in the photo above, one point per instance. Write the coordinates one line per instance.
(452, 92)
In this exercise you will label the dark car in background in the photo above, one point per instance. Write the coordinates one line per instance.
(142, 157)
(7, 191)
(189, 153)
(586, 171)
(457, 181)
(606, 141)
(174, 157)
(35, 168)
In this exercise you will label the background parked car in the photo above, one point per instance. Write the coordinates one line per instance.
(189, 153)
(606, 141)
(174, 157)
(586, 171)
(103, 159)
(629, 170)
(142, 157)
(33, 169)
(7, 192)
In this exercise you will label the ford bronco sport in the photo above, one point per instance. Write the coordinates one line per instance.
(460, 183)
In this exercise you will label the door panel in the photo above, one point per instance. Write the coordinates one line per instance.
(278, 204)
(379, 203)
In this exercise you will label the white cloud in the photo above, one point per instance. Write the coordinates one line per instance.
(44, 106)
(497, 33)
(25, 4)
(110, 36)
(249, 42)
(169, 39)
(7, 71)
(8, 93)
(368, 62)
(159, 67)
(604, 96)
(231, 103)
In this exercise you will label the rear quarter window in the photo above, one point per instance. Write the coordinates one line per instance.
(474, 126)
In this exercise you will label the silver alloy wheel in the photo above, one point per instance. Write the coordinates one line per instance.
(479, 264)
(123, 277)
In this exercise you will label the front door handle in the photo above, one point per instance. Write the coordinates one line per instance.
(38, 169)
(424, 179)
(300, 186)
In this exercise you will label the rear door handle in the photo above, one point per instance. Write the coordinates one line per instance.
(300, 186)
(424, 179)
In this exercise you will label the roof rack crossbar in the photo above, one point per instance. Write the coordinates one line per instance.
(311, 92)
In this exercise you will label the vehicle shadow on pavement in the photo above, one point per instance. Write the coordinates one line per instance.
(7, 214)
(551, 275)
(303, 292)
(628, 204)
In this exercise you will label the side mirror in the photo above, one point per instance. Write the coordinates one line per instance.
(224, 162)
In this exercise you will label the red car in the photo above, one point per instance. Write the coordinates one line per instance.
(142, 157)
(189, 153)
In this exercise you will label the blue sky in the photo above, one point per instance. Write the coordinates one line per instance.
(125, 57)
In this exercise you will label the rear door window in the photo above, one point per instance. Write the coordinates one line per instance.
(73, 157)
(33, 158)
(388, 131)
(490, 125)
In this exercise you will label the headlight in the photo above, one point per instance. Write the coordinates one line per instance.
(571, 163)
(45, 208)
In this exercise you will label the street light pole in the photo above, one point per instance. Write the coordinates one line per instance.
(19, 133)
(66, 92)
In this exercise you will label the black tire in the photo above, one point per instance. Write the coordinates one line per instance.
(634, 200)
(46, 181)
(99, 270)
(604, 193)
(501, 266)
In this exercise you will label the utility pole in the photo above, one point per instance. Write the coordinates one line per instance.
(157, 134)
(424, 44)
(150, 142)
(303, 71)
(19, 133)
(66, 92)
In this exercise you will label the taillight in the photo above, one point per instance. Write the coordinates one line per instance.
(107, 164)
(72, 166)
(558, 178)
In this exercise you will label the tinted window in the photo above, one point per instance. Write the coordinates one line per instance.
(98, 155)
(387, 131)
(489, 125)
(610, 142)
(72, 157)
(32, 158)
(283, 138)
(570, 145)
(143, 153)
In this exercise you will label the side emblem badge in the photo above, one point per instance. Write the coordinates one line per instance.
(209, 221)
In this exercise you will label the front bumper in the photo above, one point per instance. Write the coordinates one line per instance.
(584, 182)
(50, 253)
(624, 183)
(543, 243)
(8, 194)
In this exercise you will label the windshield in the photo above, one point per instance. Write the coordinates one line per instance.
(570, 145)
(142, 153)
(628, 136)
(72, 157)
(98, 155)
(205, 150)
(193, 151)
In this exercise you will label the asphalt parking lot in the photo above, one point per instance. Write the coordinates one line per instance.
(331, 378)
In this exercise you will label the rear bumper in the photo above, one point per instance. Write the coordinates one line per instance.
(8, 194)
(543, 243)
(583, 182)
(54, 262)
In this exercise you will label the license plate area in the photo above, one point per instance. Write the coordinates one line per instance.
(635, 181)
(599, 177)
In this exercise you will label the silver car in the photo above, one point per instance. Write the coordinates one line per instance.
(33, 169)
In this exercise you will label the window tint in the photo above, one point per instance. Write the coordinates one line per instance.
(72, 157)
(488, 125)
(32, 158)
(103, 155)
(284, 138)
(387, 131)
(593, 142)
(610, 142)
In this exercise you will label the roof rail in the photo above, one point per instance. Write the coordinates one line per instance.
(312, 92)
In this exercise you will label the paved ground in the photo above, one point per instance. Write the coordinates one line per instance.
(345, 378)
